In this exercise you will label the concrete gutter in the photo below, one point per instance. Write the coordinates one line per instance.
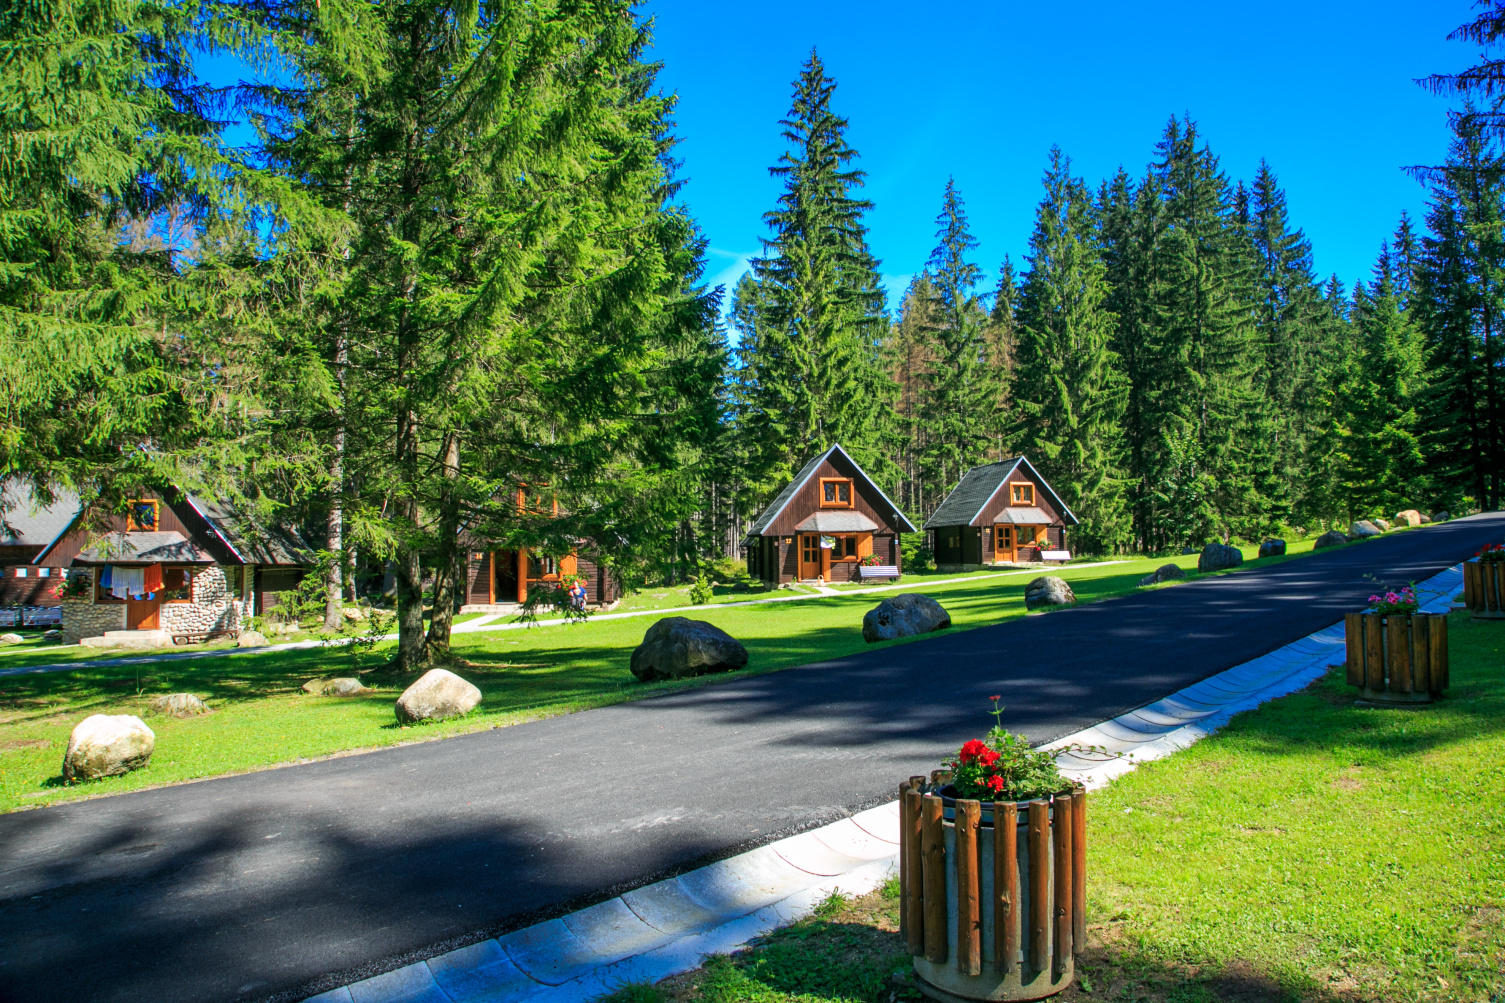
(668, 927)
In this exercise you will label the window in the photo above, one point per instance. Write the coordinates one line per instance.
(843, 548)
(542, 567)
(835, 492)
(1005, 538)
(44, 572)
(177, 584)
(1021, 493)
(810, 549)
(1027, 536)
(20, 572)
(141, 515)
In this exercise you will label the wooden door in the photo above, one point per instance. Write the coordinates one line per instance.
(142, 614)
(810, 555)
(1003, 548)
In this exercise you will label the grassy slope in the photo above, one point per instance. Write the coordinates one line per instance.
(261, 717)
(1311, 851)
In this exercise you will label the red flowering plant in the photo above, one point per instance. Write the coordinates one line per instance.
(1003, 767)
(1491, 554)
(72, 586)
(1388, 603)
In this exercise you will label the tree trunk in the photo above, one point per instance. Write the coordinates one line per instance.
(449, 576)
(334, 535)
(410, 640)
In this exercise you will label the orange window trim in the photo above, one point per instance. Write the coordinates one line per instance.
(851, 501)
(130, 514)
(1021, 497)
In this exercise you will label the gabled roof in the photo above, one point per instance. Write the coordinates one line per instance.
(784, 497)
(24, 522)
(964, 505)
(248, 539)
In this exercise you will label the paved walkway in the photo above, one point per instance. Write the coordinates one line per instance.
(284, 883)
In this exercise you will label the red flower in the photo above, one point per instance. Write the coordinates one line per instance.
(973, 751)
(996, 697)
(994, 784)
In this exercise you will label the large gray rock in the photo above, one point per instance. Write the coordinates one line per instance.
(677, 647)
(1272, 548)
(1048, 590)
(907, 614)
(11, 638)
(342, 686)
(1164, 573)
(177, 705)
(251, 639)
(1219, 557)
(1383, 525)
(1332, 538)
(436, 694)
(1364, 528)
(105, 745)
(1441, 516)
(1408, 517)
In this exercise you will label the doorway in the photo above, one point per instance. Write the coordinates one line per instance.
(1003, 546)
(142, 614)
(810, 556)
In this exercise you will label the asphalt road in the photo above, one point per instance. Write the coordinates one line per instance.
(282, 883)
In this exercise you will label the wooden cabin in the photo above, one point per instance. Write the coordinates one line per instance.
(1000, 513)
(27, 526)
(497, 581)
(200, 566)
(823, 525)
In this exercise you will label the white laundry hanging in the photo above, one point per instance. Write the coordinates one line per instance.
(127, 581)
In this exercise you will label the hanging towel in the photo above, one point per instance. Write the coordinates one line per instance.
(104, 577)
(151, 578)
(127, 581)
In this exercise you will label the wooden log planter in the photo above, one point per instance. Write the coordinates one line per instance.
(1484, 589)
(1399, 658)
(992, 896)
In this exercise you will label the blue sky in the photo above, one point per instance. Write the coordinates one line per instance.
(1322, 90)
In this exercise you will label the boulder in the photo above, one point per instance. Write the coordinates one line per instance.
(1383, 525)
(1187, 551)
(352, 614)
(907, 614)
(177, 705)
(1164, 573)
(1408, 517)
(342, 686)
(1425, 518)
(677, 647)
(1272, 548)
(1219, 557)
(1363, 528)
(11, 638)
(1332, 538)
(1048, 590)
(105, 745)
(1441, 516)
(438, 693)
(251, 639)
(52, 636)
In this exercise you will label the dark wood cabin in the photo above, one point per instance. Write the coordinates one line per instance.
(27, 526)
(1000, 513)
(824, 524)
(501, 578)
(205, 565)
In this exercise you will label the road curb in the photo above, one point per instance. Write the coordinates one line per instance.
(668, 927)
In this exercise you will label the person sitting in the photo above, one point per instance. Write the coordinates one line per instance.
(577, 595)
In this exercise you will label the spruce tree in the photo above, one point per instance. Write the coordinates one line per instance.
(1068, 391)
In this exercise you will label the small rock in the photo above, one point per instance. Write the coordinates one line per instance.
(1425, 518)
(1219, 557)
(907, 614)
(1272, 548)
(676, 647)
(1441, 516)
(177, 705)
(104, 745)
(1164, 573)
(352, 614)
(1409, 517)
(1187, 551)
(1048, 590)
(11, 638)
(1383, 525)
(1332, 538)
(251, 639)
(52, 636)
(1363, 528)
(438, 693)
(343, 686)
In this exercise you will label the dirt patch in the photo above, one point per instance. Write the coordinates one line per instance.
(25, 743)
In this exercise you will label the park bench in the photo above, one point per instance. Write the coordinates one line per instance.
(201, 636)
(867, 571)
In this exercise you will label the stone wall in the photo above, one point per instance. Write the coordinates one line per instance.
(214, 607)
(82, 618)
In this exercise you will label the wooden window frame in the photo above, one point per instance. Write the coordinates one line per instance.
(188, 576)
(1014, 485)
(844, 539)
(851, 501)
(130, 515)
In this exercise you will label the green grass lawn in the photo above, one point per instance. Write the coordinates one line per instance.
(262, 718)
(1309, 851)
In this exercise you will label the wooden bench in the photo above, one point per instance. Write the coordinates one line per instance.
(866, 571)
(202, 636)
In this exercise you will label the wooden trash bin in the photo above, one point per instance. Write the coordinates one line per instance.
(992, 896)
(1397, 659)
(1484, 589)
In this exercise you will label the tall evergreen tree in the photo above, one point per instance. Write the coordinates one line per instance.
(1068, 390)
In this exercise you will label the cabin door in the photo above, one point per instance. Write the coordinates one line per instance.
(1003, 546)
(141, 614)
(810, 556)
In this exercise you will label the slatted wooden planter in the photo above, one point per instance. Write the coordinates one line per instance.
(993, 898)
(1397, 659)
(1484, 589)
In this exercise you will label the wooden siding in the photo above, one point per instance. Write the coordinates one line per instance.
(478, 577)
(271, 581)
(1000, 501)
(601, 586)
(807, 502)
(31, 590)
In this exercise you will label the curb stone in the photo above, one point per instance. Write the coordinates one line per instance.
(668, 927)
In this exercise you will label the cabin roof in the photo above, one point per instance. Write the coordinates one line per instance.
(252, 542)
(25, 522)
(965, 504)
(163, 547)
(783, 498)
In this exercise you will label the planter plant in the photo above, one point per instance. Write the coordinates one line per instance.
(993, 873)
(1484, 583)
(1396, 655)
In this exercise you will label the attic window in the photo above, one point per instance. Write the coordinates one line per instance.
(835, 492)
(1021, 493)
(141, 515)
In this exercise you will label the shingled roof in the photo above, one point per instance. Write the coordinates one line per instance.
(25, 522)
(964, 505)
(784, 497)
